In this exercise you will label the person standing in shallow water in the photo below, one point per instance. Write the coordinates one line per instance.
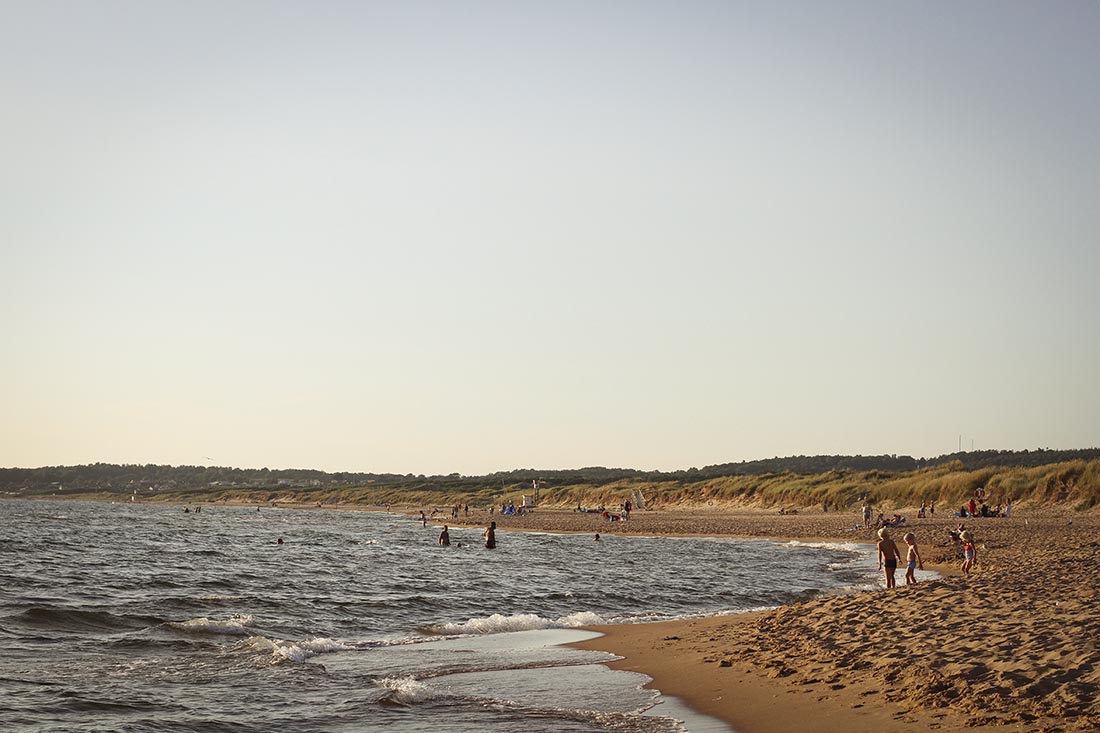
(912, 559)
(444, 536)
(491, 536)
(888, 556)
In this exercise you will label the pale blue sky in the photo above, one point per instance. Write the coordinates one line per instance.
(435, 237)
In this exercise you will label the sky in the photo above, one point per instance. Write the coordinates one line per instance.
(435, 237)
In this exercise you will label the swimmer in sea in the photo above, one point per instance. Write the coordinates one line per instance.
(888, 557)
(597, 537)
(912, 559)
(491, 536)
(444, 537)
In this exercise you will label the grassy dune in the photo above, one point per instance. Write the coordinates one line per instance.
(1074, 486)
(1067, 486)
(1070, 486)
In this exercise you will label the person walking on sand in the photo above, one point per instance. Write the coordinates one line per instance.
(491, 536)
(445, 537)
(912, 559)
(969, 554)
(888, 557)
(866, 514)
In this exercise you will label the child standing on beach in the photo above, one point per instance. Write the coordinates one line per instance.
(888, 557)
(969, 554)
(912, 558)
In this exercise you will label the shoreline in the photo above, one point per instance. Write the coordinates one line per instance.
(1013, 647)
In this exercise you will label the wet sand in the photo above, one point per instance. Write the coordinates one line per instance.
(1013, 647)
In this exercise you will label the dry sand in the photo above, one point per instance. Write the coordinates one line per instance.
(1012, 647)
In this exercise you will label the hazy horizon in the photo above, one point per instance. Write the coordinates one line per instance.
(202, 464)
(433, 238)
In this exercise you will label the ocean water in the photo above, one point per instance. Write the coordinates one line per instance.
(124, 617)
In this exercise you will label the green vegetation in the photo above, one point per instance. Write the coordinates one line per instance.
(835, 482)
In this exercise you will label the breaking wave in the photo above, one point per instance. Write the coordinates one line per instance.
(499, 623)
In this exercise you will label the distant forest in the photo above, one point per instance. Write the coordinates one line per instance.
(114, 479)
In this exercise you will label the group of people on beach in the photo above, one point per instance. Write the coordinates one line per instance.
(977, 507)
(926, 511)
(889, 555)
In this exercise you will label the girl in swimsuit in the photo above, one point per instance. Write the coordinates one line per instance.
(912, 557)
(969, 553)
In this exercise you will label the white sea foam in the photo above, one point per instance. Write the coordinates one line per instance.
(842, 546)
(236, 625)
(408, 690)
(293, 651)
(648, 618)
(499, 624)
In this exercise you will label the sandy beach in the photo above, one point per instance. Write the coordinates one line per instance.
(1012, 647)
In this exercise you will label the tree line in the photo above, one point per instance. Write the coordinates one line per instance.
(124, 478)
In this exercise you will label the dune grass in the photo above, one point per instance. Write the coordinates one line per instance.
(1070, 486)
(1074, 486)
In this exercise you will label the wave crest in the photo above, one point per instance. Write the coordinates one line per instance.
(499, 623)
(841, 546)
(408, 690)
(236, 625)
(282, 650)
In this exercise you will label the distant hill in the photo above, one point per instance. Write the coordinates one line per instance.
(815, 464)
(115, 479)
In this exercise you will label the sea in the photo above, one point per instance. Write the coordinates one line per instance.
(150, 618)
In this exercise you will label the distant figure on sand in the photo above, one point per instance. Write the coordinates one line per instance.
(444, 536)
(866, 515)
(969, 554)
(491, 536)
(912, 559)
(888, 557)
